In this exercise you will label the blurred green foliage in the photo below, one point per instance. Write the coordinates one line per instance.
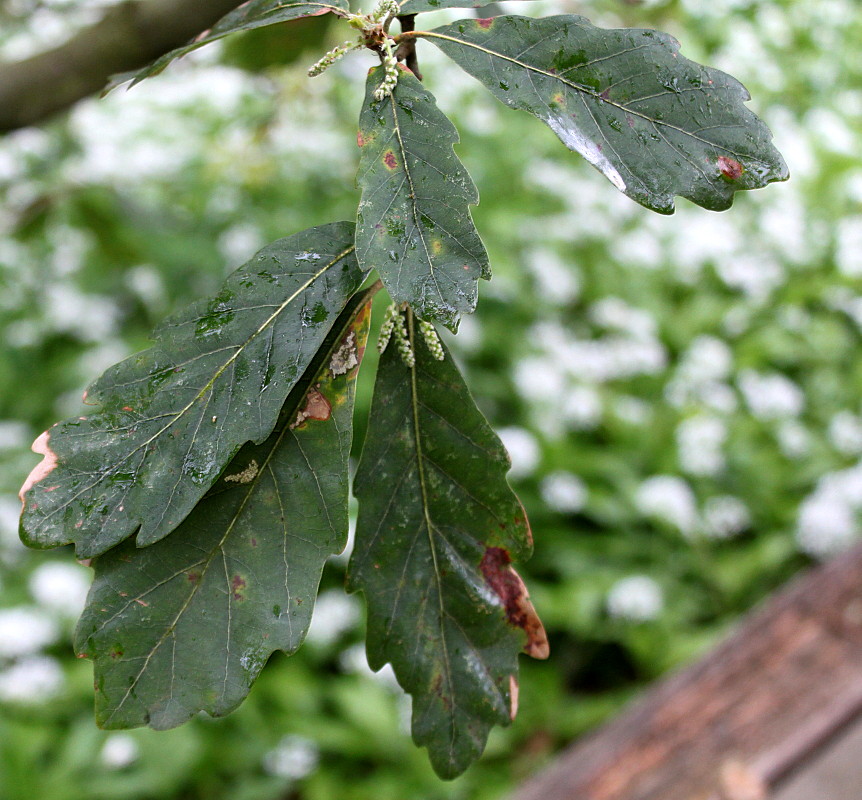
(682, 396)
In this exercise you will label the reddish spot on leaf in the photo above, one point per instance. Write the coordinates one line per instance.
(390, 160)
(508, 586)
(361, 140)
(193, 577)
(117, 652)
(730, 168)
(630, 121)
(486, 22)
(141, 602)
(82, 655)
(606, 94)
(237, 585)
(127, 408)
(43, 469)
(513, 697)
(316, 407)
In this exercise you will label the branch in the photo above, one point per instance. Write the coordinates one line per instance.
(129, 36)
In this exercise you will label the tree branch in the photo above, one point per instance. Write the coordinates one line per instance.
(129, 36)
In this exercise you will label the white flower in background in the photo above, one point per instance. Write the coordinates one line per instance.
(725, 517)
(615, 314)
(523, 449)
(754, 275)
(538, 378)
(294, 757)
(632, 410)
(564, 492)
(146, 282)
(845, 433)
(355, 660)
(636, 598)
(11, 548)
(825, 527)
(770, 395)
(239, 243)
(557, 283)
(14, 434)
(33, 680)
(848, 246)
(60, 586)
(581, 407)
(24, 631)
(794, 440)
(638, 247)
(335, 613)
(670, 499)
(699, 442)
(119, 751)
(707, 359)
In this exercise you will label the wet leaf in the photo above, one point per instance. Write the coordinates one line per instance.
(254, 14)
(187, 624)
(418, 6)
(172, 417)
(656, 124)
(438, 526)
(414, 224)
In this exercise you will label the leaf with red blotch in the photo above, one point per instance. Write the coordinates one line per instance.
(438, 527)
(186, 624)
(652, 122)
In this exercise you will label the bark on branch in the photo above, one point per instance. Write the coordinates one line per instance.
(129, 36)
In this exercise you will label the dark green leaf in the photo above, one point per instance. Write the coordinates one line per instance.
(187, 624)
(438, 525)
(418, 6)
(414, 222)
(254, 14)
(173, 416)
(656, 124)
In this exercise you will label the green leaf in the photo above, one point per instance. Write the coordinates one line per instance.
(187, 624)
(418, 6)
(414, 222)
(254, 14)
(173, 416)
(438, 526)
(656, 124)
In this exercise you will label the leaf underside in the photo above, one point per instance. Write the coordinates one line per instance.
(173, 416)
(186, 624)
(254, 14)
(414, 223)
(654, 123)
(438, 525)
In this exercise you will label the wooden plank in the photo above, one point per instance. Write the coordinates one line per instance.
(740, 721)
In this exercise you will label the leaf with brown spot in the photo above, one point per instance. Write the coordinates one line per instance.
(654, 123)
(216, 378)
(413, 224)
(433, 503)
(186, 624)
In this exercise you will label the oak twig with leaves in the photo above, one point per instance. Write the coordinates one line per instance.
(210, 483)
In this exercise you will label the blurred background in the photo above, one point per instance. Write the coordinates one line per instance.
(681, 396)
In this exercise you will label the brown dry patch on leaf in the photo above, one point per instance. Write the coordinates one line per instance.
(513, 697)
(316, 407)
(730, 168)
(507, 584)
(346, 357)
(43, 469)
(361, 139)
(237, 587)
(246, 476)
(389, 160)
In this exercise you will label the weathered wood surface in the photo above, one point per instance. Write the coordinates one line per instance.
(745, 718)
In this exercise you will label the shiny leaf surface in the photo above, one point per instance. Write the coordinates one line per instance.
(656, 124)
(438, 526)
(186, 624)
(414, 224)
(172, 417)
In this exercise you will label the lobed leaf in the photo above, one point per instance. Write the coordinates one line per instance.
(173, 416)
(656, 124)
(414, 223)
(438, 526)
(187, 624)
(250, 15)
